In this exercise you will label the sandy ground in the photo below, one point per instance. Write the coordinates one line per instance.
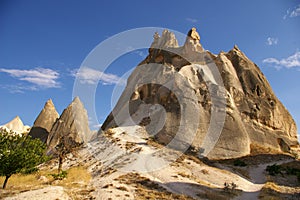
(186, 177)
(126, 151)
(47, 193)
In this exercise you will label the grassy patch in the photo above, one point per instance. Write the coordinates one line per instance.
(275, 169)
(75, 183)
(273, 191)
(239, 163)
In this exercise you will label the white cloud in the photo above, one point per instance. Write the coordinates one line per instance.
(140, 52)
(191, 20)
(289, 62)
(91, 76)
(39, 77)
(293, 13)
(18, 88)
(272, 41)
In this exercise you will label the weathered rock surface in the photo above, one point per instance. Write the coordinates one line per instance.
(16, 125)
(44, 122)
(72, 125)
(187, 95)
(47, 193)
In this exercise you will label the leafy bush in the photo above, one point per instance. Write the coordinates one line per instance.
(293, 171)
(277, 169)
(19, 154)
(60, 176)
(239, 163)
(274, 169)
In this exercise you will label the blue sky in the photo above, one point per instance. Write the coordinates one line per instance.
(43, 43)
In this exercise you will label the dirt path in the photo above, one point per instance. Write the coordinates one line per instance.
(258, 180)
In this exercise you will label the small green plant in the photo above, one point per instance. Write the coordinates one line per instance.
(239, 163)
(277, 169)
(60, 176)
(274, 169)
(293, 171)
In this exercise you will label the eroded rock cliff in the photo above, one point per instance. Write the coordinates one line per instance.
(221, 104)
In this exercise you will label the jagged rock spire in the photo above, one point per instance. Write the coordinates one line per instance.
(166, 40)
(192, 43)
(72, 125)
(44, 122)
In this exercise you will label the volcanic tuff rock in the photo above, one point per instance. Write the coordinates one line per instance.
(72, 125)
(44, 122)
(16, 125)
(176, 94)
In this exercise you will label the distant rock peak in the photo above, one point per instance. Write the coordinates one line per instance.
(16, 125)
(49, 103)
(167, 39)
(72, 125)
(193, 34)
(44, 121)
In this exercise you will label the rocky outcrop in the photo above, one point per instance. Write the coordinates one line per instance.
(72, 126)
(44, 122)
(16, 125)
(222, 105)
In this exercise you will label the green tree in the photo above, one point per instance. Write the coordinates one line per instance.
(19, 154)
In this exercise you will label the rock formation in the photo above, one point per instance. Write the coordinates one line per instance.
(220, 104)
(16, 125)
(44, 122)
(72, 126)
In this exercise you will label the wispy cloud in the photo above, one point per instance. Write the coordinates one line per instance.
(91, 76)
(191, 20)
(38, 77)
(289, 62)
(18, 88)
(295, 12)
(140, 52)
(271, 41)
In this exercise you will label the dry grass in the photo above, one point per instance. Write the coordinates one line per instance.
(256, 149)
(129, 145)
(147, 189)
(153, 143)
(277, 192)
(109, 133)
(107, 171)
(76, 176)
(182, 174)
(214, 195)
(75, 183)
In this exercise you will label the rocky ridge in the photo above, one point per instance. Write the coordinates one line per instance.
(188, 95)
